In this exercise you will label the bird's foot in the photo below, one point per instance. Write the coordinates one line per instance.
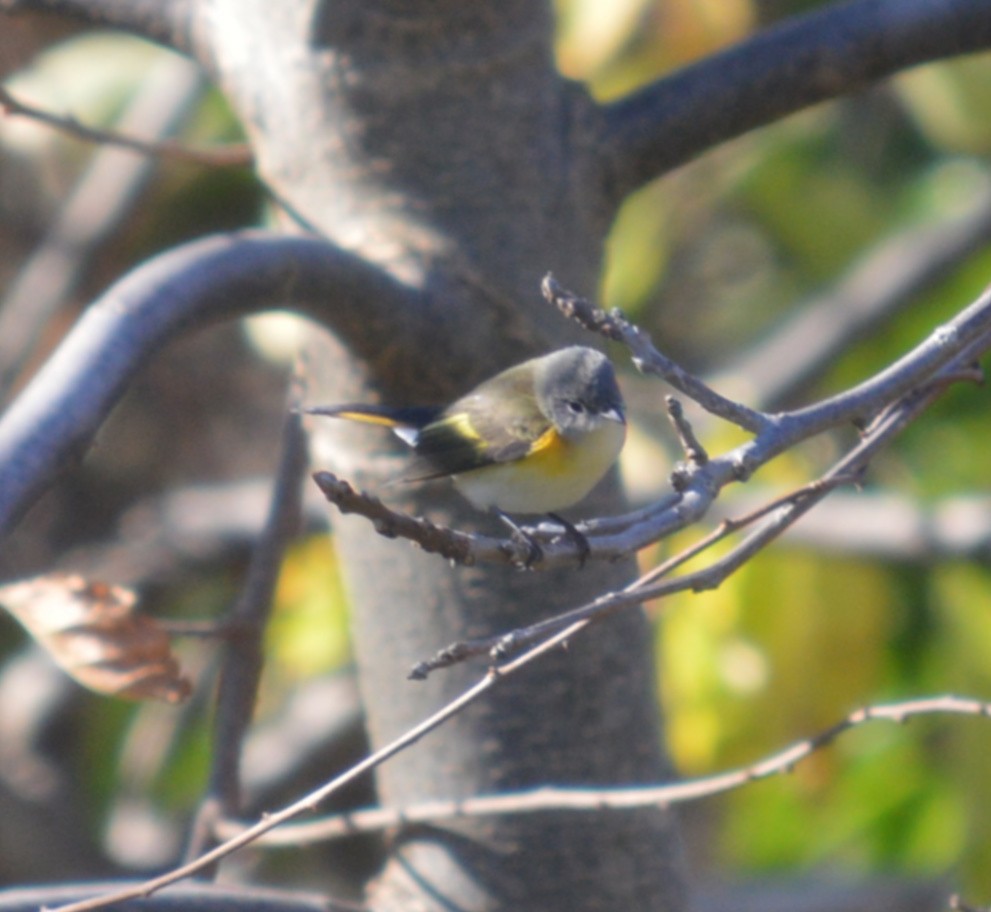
(523, 537)
(571, 531)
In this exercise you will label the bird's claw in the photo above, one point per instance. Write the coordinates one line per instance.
(522, 538)
(571, 531)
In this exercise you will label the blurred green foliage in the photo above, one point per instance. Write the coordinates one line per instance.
(309, 597)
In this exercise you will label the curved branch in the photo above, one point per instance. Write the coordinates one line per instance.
(777, 72)
(166, 22)
(204, 897)
(50, 425)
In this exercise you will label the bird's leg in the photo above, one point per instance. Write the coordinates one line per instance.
(519, 534)
(571, 531)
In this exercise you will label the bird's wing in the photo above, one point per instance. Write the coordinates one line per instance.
(493, 424)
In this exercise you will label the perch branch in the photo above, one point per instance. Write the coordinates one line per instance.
(52, 422)
(944, 354)
(557, 630)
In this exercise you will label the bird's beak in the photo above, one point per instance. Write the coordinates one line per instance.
(615, 414)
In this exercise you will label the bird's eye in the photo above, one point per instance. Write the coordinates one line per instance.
(576, 408)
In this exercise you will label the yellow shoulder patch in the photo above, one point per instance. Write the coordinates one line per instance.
(546, 443)
(460, 424)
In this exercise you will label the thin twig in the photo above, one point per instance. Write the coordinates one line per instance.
(646, 358)
(944, 357)
(448, 543)
(106, 193)
(694, 451)
(235, 155)
(243, 659)
(305, 804)
(551, 798)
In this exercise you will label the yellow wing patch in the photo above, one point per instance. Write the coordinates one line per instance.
(460, 425)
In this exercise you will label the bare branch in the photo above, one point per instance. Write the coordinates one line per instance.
(243, 659)
(551, 798)
(694, 451)
(940, 359)
(456, 546)
(218, 156)
(647, 358)
(555, 631)
(166, 22)
(305, 804)
(822, 55)
(51, 423)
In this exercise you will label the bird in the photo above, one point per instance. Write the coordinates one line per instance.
(533, 439)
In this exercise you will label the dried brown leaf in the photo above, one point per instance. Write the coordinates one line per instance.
(91, 631)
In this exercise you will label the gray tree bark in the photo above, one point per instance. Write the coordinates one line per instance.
(438, 141)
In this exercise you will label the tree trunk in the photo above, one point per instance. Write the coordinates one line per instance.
(437, 140)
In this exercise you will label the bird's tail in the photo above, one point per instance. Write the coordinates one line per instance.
(398, 419)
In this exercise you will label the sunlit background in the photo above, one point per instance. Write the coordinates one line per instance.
(711, 260)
